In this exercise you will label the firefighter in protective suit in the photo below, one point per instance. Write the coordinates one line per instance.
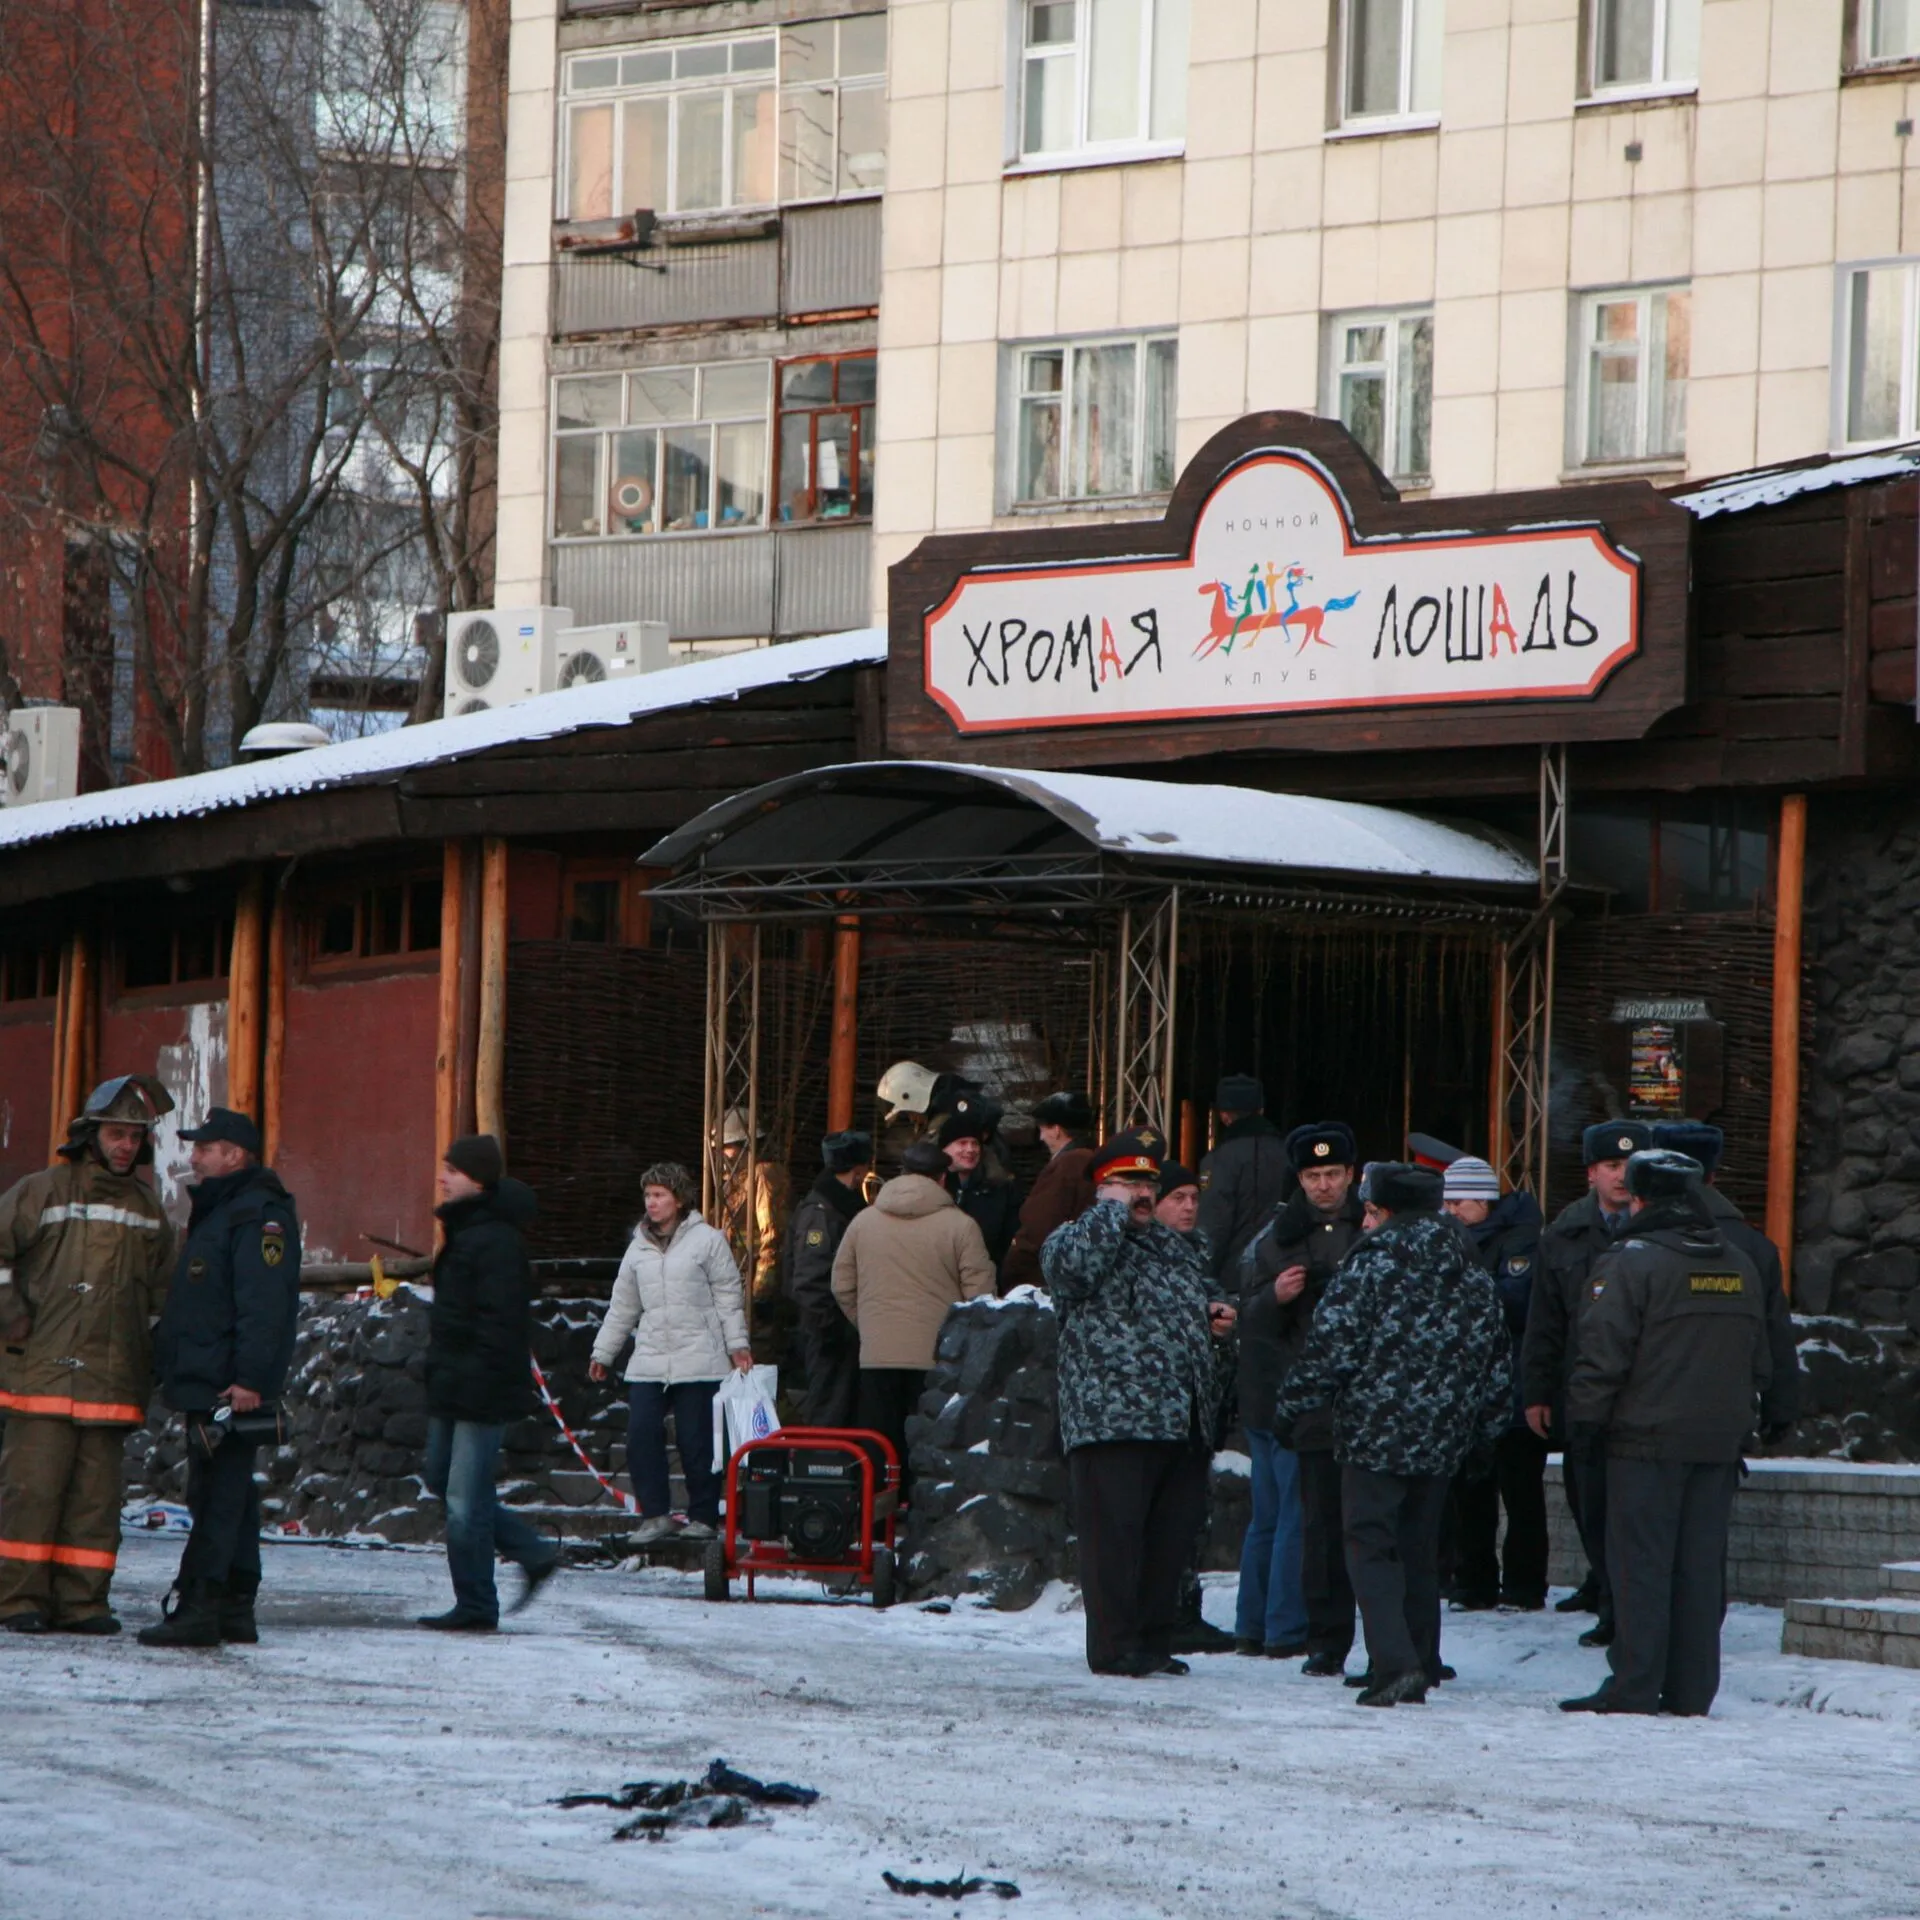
(85, 1252)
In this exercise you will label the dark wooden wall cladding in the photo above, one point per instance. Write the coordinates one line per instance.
(1725, 959)
(1636, 516)
(1893, 565)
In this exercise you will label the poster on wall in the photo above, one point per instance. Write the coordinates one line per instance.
(1279, 607)
(1656, 1085)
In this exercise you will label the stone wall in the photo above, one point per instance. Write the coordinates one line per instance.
(1858, 1229)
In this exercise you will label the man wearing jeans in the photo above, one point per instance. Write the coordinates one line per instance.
(477, 1379)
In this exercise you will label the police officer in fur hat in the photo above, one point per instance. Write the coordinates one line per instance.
(1061, 1190)
(1245, 1176)
(981, 1187)
(1672, 1360)
(1568, 1250)
(829, 1347)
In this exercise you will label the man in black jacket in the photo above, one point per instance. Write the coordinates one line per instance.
(1780, 1407)
(477, 1378)
(829, 1347)
(1673, 1354)
(1245, 1176)
(223, 1347)
(1294, 1592)
(982, 1189)
(1568, 1250)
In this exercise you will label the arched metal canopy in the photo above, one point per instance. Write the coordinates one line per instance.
(892, 835)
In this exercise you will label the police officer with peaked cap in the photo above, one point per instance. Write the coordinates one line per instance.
(225, 1342)
(829, 1347)
(1568, 1249)
(1672, 1358)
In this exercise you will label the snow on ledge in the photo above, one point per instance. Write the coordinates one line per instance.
(1773, 487)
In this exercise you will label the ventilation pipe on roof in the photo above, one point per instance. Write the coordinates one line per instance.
(273, 738)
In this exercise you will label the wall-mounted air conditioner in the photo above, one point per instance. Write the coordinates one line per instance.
(497, 655)
(583, 655)
(40, 751)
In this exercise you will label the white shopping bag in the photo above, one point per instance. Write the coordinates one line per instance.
(743, 1410)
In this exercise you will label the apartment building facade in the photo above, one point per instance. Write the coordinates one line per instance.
(1511, 243)
(689, 301)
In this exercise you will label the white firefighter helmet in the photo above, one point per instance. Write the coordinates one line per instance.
(907, 1087)
(733, 1127)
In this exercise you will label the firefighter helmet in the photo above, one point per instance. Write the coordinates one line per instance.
(130, 1100)
(907, 1087)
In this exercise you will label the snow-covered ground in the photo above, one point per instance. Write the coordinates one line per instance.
(352, 1766)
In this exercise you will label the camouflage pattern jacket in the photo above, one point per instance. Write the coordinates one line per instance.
(1138, 1360)
(1410, 1348)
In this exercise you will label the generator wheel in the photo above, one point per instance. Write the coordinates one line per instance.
(883, 1577)
(715, 1568)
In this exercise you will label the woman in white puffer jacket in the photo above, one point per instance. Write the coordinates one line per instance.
(678, 1294)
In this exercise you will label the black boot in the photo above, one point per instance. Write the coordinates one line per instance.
(1585, 1598)
(237, 1623)
(1192, 1632)
(193, 1620)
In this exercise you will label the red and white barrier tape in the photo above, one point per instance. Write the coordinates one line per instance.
(580, 1453)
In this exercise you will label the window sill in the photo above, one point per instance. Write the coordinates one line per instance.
(1651, 96)
(367, 966)
(1145, 150)
(1906, 67)
(1666, 465)
(1130, 504)
(1381, 128)
(653, 539)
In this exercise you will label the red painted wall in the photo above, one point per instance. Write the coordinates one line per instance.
(356, 1118)
(26, 1091)
(533, 894)
(185, 1043)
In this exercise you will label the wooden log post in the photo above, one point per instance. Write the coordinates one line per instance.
(273, 1064)
(490, 1061)
(245, 1001)
(447, 1052)
(846, 1024)
(1784, 1126)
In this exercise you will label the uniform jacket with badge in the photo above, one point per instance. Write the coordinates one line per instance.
(1673, 1343)
(1507, 1244)
(1272, 1334)
(990, 1198)
(1409, 1347)
(814, 1234)
(231, 1312)
(682, 1303)
(902, 1264)
(1780, 1407)
(1562, 1270)
(1062, 1191)
(84, 1257)
(1138, 1360)
(1241, 1182)
(481, 1326)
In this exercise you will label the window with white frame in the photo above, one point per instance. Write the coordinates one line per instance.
(1390, 59)
(1641, 44)
(1631, 376)
(661, 450)
(833, 108)
(1889, 30)
(1380, 387)
(1101, 74)
(678, 129)
(1094, 418)
(1879, 386)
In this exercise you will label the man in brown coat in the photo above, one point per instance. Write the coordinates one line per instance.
(1062, 1190)
(901, 1265)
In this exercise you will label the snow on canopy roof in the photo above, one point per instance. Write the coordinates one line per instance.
(1157, 820)
(611, 703)
(1774, 486)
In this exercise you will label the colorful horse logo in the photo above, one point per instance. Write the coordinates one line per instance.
(1254, 610)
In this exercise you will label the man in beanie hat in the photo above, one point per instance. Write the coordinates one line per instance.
(1409, 1348)
(224, 1345)
(1708, 1144)
(829, 1348)
(1178, 1205)
(1245, 1176)
(85, 1251)
(1143, 1365)
(982, 1189)
(479, 1335)
(1061, 1189)
(1294, 1592)
(1504, 1232)
(1673, 1358)
(1568, 1250)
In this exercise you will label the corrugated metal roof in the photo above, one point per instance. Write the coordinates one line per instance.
(384, 756)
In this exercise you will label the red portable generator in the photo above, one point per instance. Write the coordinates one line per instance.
(810, 1500)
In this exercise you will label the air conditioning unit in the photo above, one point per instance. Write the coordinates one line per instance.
(497, 655)
(41, 755)
(583, 655)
